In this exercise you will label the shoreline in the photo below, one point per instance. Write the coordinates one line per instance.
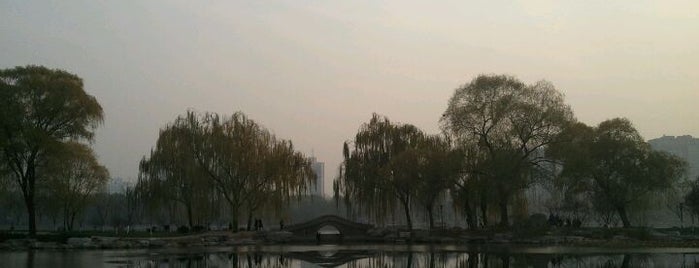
(583, 238)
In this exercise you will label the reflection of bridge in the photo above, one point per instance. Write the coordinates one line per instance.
(330, 259)
(345, 226)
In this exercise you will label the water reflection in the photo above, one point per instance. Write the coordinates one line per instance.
(372, 256)
(418, 258)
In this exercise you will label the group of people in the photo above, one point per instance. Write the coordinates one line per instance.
(258, 225)
(555, 220)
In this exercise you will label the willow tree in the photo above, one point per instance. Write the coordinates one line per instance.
(239, 159)
(470, 189)
(277, 174)
(170, 173)
(250, 166)
(381, 168)
(438, 166)
(508, 122)
(73, 177)
(40, 109)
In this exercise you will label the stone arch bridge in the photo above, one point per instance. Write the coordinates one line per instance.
(344, 226)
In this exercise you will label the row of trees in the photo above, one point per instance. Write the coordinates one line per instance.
(99, 210)
(203, 162)
(500, 138)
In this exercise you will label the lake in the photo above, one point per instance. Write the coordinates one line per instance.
(359, 256)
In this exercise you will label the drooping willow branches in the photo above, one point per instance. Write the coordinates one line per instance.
(233, 157)
(390, 165)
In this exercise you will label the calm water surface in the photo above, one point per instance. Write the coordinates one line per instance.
(359, 256)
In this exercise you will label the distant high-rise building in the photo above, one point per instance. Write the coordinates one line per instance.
(319, 170)
(686, 147)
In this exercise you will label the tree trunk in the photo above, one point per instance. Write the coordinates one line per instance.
(471, 217)
(484, 210)
(65, 219)
(406, 206)
(430, 214)
(31, 209)
(624, 217)
(504, 217)
(249, 221)
(71, 222)
(27, 183)
(234, 218)
(190, 219)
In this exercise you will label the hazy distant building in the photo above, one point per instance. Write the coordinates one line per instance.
(116, 185)
(686, 147)
(319, 170)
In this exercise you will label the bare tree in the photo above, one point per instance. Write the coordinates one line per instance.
(73, 177)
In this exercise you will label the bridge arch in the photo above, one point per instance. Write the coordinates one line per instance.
(344, 226)
(328, 229)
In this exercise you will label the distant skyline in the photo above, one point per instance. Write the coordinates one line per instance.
(313, 71)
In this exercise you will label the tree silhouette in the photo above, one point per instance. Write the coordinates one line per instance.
(508, 122)
(40, 110)
(233, 156)
(381, 168)
(615, 165)
(73, 176)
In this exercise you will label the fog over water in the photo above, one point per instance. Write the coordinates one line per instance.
(313, 71)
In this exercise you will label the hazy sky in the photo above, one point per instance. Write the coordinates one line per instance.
(314, 71)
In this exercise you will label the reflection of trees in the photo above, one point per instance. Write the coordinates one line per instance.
(407, 258)
(614, 262)
(607, 261)
(30, 258)
(431, 259)
(473, 259)
(626, 261)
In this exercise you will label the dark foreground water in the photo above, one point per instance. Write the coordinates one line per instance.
(359, 256)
